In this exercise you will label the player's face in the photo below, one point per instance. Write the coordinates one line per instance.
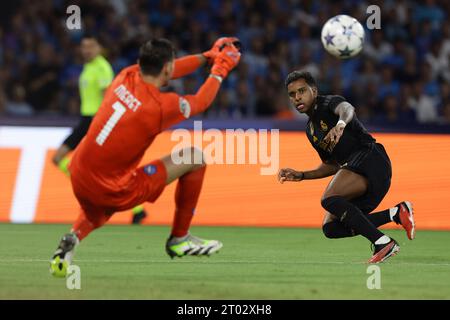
(301, 95)
(90, 48)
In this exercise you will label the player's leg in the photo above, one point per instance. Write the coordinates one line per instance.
(89, 219)
(401, 214)
(60, 158)
(381, 172)
(139, 214)
(190, 180)
(347, 185)
(377, 167)
(334, 229)
(379, 179)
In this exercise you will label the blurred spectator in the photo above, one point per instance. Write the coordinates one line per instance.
(431, 85)
(407, 115)
(244, 99)
(17, 106)
(255, 58)
(438, 59)
(422, 104)
(428, 10)
(377, 48)
(2, 101)
(409, 73)
(368, 74)
(388, 85)
(446, 113)
(390, 105)
(43, 84)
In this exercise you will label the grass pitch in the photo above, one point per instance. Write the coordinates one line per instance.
(129, 262)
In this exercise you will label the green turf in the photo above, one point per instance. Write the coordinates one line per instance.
(129, 262)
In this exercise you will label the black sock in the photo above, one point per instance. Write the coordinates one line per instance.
(351, 217)
(379, 218)
(336, 230)
(397, 215)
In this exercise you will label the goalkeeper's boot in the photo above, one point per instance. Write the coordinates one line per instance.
(405, 216)
(191, 245)
(62, 258)
(384, 251)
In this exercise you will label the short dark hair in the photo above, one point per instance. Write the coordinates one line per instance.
(295, 75)
(154, 54)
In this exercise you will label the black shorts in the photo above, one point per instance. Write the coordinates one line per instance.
(78, 132)
(374, 164)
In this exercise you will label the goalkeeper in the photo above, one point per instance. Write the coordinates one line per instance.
(96, 76)
(104, 169)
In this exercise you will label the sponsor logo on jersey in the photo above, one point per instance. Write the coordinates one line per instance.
(323, 126)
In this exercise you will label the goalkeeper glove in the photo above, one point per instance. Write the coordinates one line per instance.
(225, 61)
(220, 43)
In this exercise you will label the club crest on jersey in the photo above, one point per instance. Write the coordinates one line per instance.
(150, 169)
(323, 126)
(185, 107)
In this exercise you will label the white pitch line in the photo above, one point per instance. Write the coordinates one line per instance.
(226, 262)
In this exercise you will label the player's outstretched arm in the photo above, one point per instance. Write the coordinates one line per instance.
(324, 170)
(176, 109)
(189, 64)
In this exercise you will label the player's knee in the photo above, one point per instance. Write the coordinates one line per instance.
(335, 205)
(329, 203)
(328, 230)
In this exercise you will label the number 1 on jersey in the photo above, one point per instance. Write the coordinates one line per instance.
(119, 110)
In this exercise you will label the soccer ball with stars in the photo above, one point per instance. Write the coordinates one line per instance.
(343, 36)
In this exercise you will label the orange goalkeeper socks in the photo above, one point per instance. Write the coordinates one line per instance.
(85, 225)
(186, 198)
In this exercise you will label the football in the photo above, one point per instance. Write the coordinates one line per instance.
(343, 36)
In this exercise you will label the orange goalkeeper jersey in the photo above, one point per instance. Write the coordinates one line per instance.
(131, 115)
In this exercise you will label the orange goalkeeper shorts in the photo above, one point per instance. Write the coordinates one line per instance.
(145, 184)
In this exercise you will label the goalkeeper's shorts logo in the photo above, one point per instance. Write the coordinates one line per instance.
(150, 169)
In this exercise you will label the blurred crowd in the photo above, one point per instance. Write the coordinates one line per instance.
(401, 77)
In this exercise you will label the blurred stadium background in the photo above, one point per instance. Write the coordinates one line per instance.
(400, 86)
(401, 78)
